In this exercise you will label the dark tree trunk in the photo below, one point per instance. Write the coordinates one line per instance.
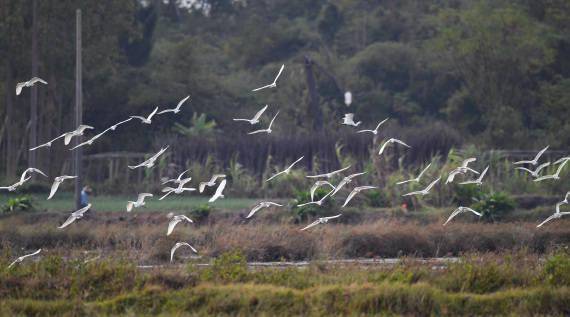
(34, 91)
(314, 110)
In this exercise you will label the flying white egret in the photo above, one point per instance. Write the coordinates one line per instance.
(268, 130)
(322, 220)
(460, 210)
(151, 161)
(553, 176)
(77, 132)
(211, 182)
(345, 181)
(178, 190)
(355, 191)
(263, 204)
(177, 109)
(479, 180)
(285, 171)
(28, 83)
(114, 126)
(318, 202)
(426, 190)
(317, 185)
(255, 118)
(178, 245)
(219, 191)
(90, 141)
(536, 172)
(23, 257)
(417, 179)
(556, 215)
(348, 119)
(390, 141)
(175, 220)
(331, 174)
(14, 186)
(375, 131)
(74, 216)
(274, 83)
(347, 98)
(179, 179)
(148, 119)
(139, 203)
(56, 182)
(536, 158)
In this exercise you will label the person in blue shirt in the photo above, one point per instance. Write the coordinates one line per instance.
(84, 201)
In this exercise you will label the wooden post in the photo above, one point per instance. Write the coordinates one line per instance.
(32, 162)
(77, 153)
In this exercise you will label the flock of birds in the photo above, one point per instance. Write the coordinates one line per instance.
(325, 179)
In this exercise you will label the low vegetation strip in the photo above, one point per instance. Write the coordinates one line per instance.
(251, 299)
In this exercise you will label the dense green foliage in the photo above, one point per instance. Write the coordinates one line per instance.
(497, 72)
(480, 284)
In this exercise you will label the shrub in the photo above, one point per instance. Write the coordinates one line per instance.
(495, 206)
(557, 269)
(377, 198)
(23, 203)
(201, 212)
(310, 211)
(467, 194)
(230, 267)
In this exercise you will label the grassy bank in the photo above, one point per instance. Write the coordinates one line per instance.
(482, 284)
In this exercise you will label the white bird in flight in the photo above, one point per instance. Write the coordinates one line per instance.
(274, 83)
(28, 83)
(347, 98)
(375, 131)
(219, 191)
(90, 141)
(566, 197)
(151, 161)
(348, 119)
(23, 257)
(263, 204)
(417, 179)
(536, 171)
(329, 175)
(390, 141)
(318, 202)
(139, 203)
(178, 190)
(255, 118)
(28, 171)
(175, 110)
(319, 221)
(56, 182)
(285, 171)
(179, 179)
(178, 245)
(460, 210)
(426, 190)
(463, 169)
(175, 220)
(562, 160)
(555, 215)
(148, 119)
(77, 132)
(211, 182)
(345, 181)
(268, 130)
(479, 180)
(114, 126)
(74, 216)
(317, 185)
(553, 176)
(14, 186)
(355, 191)
(536, 158)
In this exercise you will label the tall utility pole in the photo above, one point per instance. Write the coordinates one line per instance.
(314, 108)
(32, 158)
(77, 153)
